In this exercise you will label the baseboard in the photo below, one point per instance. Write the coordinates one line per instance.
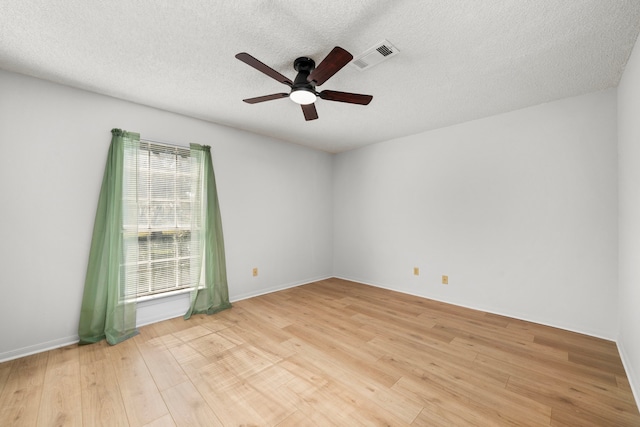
(634, 381)
(38, 348)
(178, 308)
(278, 288)
(160, 309)
(484, 309)
(147, 313)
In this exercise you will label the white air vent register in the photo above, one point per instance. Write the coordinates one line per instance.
(375, 55)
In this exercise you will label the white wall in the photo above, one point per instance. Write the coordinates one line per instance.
(629, 218)
(519, 209)
(276, 203)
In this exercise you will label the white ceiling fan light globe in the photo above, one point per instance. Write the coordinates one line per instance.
(303, 96)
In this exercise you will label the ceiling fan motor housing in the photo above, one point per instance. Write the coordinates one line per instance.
(304, 66)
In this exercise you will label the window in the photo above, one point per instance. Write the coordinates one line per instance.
(159, 230)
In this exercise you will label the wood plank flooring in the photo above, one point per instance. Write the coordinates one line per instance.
(331, 353)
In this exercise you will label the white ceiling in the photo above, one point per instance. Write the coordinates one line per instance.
(459, 60)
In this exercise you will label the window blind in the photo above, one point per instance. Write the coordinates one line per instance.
(159, 219)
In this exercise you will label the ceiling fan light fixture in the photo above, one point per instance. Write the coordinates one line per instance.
(303, 88)
(303, 96)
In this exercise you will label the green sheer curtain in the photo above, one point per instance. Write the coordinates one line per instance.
(107, 309)
(109, 300)
(209, 270)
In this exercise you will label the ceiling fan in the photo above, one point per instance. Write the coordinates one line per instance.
(303, 88)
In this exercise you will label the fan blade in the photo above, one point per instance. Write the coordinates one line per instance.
(330, 65)
(265, 98)
(351, 98)
(309, 111)
(253, 62)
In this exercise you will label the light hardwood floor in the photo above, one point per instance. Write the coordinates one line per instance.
(331, 353)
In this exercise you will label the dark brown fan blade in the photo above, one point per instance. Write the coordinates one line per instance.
(309, 111)
(250, 60)
(265, 98)
(330, 65)
(351, 98)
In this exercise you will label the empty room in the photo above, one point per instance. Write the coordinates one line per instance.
(275, 213)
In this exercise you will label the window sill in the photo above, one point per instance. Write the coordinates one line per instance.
(163, 295)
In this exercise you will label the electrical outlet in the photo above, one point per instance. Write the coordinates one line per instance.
(255, 271)
(416, 271)
(445, 280)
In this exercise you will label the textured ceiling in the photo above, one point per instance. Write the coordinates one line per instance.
(459, 60)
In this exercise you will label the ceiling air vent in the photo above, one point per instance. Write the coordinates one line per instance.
(375, 55)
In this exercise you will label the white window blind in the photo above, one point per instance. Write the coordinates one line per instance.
(158, 220)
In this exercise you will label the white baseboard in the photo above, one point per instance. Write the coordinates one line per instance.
(278, 288)
(160, 309)
(484, 309)
(151, 311)
(632, 376)
(38, 348)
